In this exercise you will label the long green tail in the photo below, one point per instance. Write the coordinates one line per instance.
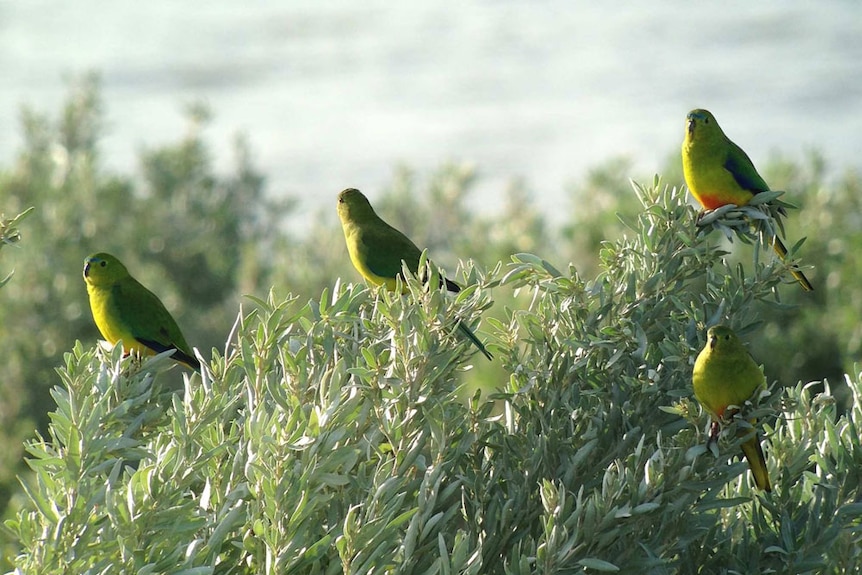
(468, 333)
(800, 277)
(756, 461)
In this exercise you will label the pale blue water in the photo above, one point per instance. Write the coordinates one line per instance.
(334, 94)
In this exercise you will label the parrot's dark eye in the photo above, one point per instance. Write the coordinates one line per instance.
(103, 264)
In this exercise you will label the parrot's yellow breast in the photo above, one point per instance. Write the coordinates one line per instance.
(107, 319)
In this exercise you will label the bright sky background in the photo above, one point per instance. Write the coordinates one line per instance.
(334, 94)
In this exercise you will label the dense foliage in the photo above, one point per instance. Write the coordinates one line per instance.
(341, 428)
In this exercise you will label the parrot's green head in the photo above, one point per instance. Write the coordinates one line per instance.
(353, 206)
(720, 339)
(103, 269)
(701, 124)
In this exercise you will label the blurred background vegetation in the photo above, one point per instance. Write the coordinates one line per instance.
(203, 235)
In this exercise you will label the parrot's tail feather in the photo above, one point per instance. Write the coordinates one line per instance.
(468, 333)
(757, 462)
(800, 277)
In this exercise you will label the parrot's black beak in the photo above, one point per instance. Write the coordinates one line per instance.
(87, 269)
(690, 125)
(713, 341)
